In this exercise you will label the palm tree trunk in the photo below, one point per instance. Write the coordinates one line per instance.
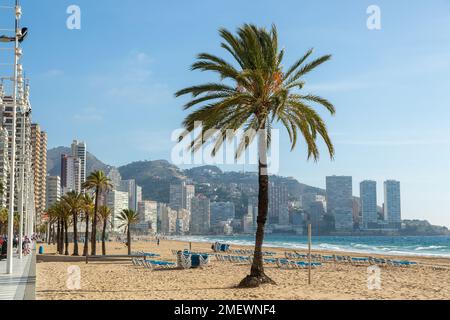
(257, 275)
(66, 235)
(53, 234)
(86, 237)
(129, 240)
(49, 234)
(104, 238)
(75, 234)
(60, 236)
(94, 225)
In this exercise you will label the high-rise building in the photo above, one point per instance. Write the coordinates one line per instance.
(183, 221)
(315, 214)
(53, 190)
(278, 204)
(70, 173)
(369, 209)
(247, 223)
(4, 165)
(253, 207)
(79, 151)
(392, 204)
(200, 215)
(23, 153)
(167, 218)
(222, 211)
(180, 195)
(147, 211)
(340, 201)
(116, 201)
(39, 168)
(307, 199)
(134, 193)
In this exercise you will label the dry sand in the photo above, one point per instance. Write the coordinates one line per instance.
(122, 280)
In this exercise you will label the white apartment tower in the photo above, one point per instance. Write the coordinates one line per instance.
(392, 203)
(79, 151)
(369, 209)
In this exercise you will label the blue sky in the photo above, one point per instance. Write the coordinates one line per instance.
(112, 82)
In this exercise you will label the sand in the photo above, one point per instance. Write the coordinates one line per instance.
(123, 281)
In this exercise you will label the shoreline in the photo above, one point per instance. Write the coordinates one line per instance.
(302, 247)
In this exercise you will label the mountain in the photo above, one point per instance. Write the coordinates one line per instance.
(154, 177)
(54, 161)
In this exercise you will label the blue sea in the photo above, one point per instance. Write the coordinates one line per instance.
(436, 246)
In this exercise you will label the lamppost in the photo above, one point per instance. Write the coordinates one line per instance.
(17, 55)
(21, 186)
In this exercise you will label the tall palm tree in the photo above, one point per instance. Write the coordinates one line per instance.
(99, 182)
(53, 212)
(104, 213)
(74, 202)
(128, 217)
(88, 209)
(52, 218)
(255, 93)
(62, 210)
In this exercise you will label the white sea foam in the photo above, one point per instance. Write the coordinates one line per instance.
(356, 247)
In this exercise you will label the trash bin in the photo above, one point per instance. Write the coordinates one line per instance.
(41, 250)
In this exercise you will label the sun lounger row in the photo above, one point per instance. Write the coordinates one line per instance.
(145, 254)
(152, 264)
(291, 264)
(230, 258)
(301, 256)
(187, 252)
(348, 259)
(248, 251)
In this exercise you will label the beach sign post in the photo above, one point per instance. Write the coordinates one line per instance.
(309, 253)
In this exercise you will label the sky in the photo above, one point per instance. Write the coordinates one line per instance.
(112, 82)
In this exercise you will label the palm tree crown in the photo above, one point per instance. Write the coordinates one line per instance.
(127, 218)
(255, 92)
(98, 180)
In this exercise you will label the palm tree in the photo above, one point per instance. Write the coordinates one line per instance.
(88, 208)
(99, 182)
(62, 211)
(254, 94)
(128, 218)
(104, 213)
(74, 202)
(3, 220)
(53, 213)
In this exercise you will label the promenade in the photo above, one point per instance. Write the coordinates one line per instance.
(21, 284)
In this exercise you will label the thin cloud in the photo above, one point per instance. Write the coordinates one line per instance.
(387, 143)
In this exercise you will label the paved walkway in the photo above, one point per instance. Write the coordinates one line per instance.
(21, 285)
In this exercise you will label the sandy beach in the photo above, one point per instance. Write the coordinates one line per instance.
(123, 281)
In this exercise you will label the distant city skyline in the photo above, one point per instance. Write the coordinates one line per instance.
(118, 95)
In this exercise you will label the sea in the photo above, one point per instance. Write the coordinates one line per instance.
(433, 246)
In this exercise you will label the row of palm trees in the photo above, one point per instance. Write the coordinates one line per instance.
(83, 207)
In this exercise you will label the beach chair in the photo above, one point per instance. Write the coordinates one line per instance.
(184, 261)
